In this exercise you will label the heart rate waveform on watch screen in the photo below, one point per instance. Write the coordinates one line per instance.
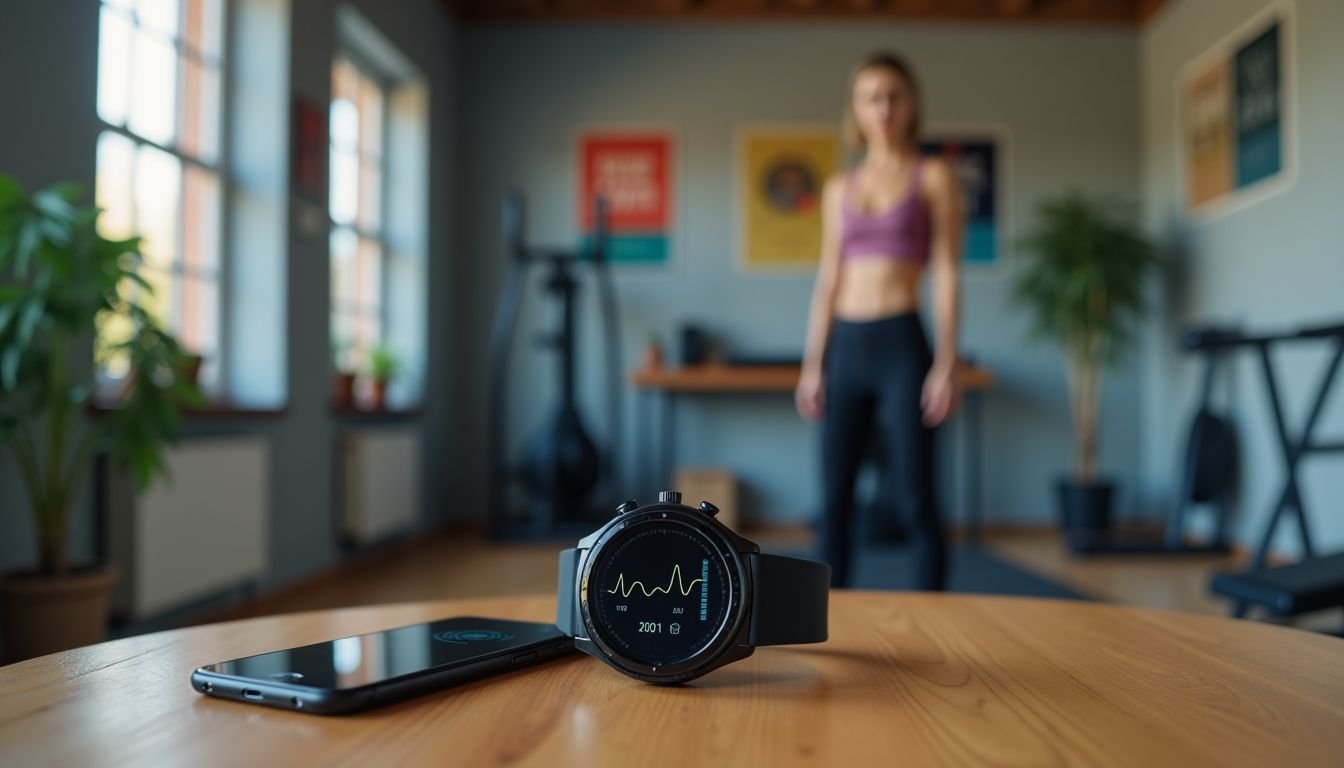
(674, 581)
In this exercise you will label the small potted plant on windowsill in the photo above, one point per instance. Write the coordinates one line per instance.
(343, 384)
(653, 353)
(1084, 287)
(383, 366)
(62, 280)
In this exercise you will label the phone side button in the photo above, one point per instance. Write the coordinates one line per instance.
(523, 658)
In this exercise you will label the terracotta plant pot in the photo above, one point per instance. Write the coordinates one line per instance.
(45, 614)
(653, 357)
(343, 396)
(379, 402)
(192, 369)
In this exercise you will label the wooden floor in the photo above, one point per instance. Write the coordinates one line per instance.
(463, 563)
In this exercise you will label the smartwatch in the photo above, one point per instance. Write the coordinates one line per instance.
(665, 593)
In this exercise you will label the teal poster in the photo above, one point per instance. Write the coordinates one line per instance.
(1259, 108)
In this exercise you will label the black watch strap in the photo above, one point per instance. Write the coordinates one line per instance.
(789, 600)
(567, 616)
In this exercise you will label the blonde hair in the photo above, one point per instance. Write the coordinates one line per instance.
(890, 62)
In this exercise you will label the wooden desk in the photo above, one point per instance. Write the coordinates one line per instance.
(906, 678)
(720, 379)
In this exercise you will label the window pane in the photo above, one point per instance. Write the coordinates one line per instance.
(200, 221)
(343, 274)
(199, 330)
(369, 282)
(371, 114)
(344, 124)
(153, 100)
(344, 85)
(116, 164)
(201, 28)
(158, 179)
(200, 109)
(370, 196)
(160, 300)
(344, 186)
(114, 65)
(159, 16)
(368, 334)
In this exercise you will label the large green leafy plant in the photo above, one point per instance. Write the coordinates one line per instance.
(1084, 287)
(59, 280)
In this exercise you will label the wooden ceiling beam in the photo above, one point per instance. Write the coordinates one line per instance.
(1121, 12)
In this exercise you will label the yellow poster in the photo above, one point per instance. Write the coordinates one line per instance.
(1208, 134)
(781, 173)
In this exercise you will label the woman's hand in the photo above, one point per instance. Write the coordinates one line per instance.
(810, 395)
(940, 395)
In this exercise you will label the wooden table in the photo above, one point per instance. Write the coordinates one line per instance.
(722, 379)
(906, 678)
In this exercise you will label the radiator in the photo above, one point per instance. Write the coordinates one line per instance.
(198, 533)
(381, 469)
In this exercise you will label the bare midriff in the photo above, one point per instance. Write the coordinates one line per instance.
(872, 287)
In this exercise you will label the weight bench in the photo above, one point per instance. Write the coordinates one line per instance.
(1315, 582)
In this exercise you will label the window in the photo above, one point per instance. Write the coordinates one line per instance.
(159, 159)
(358, 239)
(378, 204)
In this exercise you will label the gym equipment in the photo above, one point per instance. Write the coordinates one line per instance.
(1315, 582)
(561, 465)
(1210, 471)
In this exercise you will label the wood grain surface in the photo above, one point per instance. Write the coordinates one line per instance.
(906, 679)
(716, 377)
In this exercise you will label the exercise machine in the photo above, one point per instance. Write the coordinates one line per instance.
(1315, 582)
(546, 493)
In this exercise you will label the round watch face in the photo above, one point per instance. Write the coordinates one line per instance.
(659, 592)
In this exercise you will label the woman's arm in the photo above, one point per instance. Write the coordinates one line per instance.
(809, 395)
(945, 219)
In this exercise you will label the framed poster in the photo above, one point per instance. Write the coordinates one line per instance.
(977, 157)
(633, 170)
(779, 172)
(1234, 116)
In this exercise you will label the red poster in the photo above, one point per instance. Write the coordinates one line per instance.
(633, 172)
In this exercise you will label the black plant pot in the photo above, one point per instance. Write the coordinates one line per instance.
(1085, 512)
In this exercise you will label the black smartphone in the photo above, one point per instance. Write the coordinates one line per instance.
(353, 674)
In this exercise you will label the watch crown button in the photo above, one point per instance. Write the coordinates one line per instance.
(708, 508)
(629, 505)
(669, 497)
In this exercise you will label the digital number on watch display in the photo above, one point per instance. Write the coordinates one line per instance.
(660, 593)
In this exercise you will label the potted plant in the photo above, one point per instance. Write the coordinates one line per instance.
(1084, 286)
(382, 367)
(343, 389)
(653, 353)
(62, 280)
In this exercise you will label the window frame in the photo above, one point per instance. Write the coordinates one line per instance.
(220, 168)
(386, 85)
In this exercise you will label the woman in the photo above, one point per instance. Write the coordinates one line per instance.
(867, 361)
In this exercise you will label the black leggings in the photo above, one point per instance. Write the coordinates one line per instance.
(874, 374)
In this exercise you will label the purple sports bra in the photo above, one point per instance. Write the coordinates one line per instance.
(901, 233)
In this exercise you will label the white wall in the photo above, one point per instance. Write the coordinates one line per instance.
(1274, 265)
(1067, 95)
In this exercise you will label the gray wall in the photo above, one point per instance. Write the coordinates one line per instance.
(1067, 95)
(1273, 265)
(48, 135)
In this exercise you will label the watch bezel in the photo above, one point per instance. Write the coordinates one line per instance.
(728, 633)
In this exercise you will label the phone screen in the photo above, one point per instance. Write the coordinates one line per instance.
(353, 662)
